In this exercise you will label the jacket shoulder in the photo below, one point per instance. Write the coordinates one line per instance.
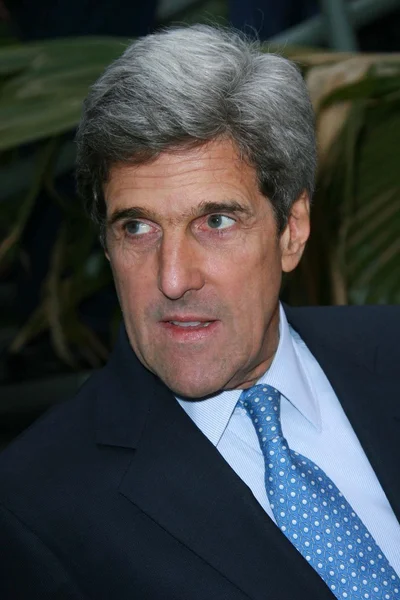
(353, 328)
(372, 320)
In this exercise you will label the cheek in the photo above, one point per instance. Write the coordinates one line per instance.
(131, 286)
(254, 265)
(256, 284)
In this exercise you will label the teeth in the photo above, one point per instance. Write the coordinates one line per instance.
(190, 323)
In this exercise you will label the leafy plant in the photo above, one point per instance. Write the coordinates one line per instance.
(353, 252)
(356, 219)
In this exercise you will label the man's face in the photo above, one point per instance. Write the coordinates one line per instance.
(197, 263)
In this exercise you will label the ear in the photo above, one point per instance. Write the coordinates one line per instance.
(295, 235)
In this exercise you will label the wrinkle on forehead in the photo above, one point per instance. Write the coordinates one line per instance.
(170, 166)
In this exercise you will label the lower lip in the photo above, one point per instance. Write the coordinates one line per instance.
(189, 334)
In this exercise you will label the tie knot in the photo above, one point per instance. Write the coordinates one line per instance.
(262, 403)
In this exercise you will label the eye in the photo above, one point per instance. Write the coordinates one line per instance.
(220, 221)
(137, 228)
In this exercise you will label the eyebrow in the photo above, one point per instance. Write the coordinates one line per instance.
(204, 208)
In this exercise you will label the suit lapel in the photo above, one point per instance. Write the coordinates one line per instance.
(368, 397)
(182, 483)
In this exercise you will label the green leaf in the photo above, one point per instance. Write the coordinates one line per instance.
(49, 55)
(27, 121)
(46, 84)
(371, 87)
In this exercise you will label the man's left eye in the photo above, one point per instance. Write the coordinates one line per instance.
(220, 222)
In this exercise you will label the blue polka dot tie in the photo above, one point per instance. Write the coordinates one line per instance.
(313, 514)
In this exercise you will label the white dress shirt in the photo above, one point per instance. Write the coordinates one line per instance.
(314, 425)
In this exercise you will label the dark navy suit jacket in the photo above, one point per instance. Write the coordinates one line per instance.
(117, 495)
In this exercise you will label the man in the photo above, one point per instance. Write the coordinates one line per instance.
(171, 475)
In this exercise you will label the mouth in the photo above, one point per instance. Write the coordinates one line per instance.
(190, 324)
(189, 329)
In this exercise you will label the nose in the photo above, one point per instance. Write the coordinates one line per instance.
(180, 267)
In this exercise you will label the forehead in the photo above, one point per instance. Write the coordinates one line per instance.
(182, 177)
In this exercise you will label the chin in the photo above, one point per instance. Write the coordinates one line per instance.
(191, 389)
(192, 392)
(190, 377)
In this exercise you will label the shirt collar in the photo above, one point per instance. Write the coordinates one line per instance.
(286, 374)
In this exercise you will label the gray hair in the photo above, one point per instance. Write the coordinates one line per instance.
(188, 85)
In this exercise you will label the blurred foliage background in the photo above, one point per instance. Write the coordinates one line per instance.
(353, 254)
